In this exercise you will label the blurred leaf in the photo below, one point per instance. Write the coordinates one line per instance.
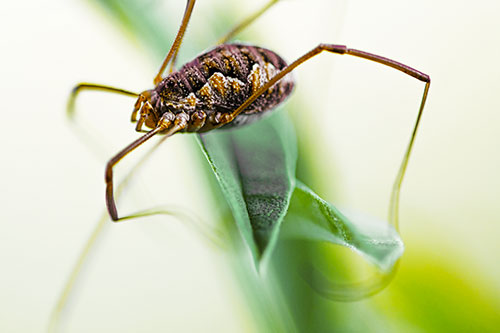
(311, 217)
(255, 167)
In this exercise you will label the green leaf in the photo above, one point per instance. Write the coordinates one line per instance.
(255, 166)
(312, 218)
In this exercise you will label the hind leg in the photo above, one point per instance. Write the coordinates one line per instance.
(341, 49)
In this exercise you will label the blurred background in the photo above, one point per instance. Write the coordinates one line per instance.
(353, 119)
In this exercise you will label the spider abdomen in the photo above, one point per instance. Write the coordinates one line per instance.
(220, 80)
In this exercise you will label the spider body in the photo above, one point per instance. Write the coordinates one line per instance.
(214, 84)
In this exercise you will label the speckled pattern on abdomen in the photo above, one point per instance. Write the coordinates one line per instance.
(221, 79)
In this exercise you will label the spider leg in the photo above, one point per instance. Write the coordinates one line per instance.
(179, 123)
(341, 49)
(70, 107)
(172, 53)
(238, 28)
(377, 282)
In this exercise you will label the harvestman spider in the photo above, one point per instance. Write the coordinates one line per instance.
(231, 85)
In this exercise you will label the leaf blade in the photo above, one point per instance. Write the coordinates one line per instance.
(311, 217)
(255, 166)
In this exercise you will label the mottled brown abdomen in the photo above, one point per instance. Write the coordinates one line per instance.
(220, 80)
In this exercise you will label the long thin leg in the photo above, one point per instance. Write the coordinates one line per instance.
(394, 204)
(180, 123)
(246, 22)
(233, 31)
(177, 42)
(70, 108)
(341, 49)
